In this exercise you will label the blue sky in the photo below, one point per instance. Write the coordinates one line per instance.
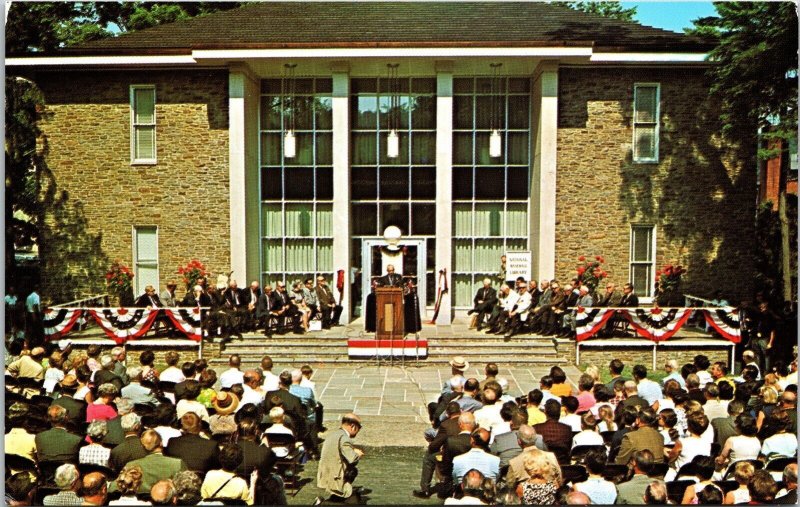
(673, 16)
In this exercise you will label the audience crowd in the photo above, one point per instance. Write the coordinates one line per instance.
(93, 429)
(109, 432)
(699, 436)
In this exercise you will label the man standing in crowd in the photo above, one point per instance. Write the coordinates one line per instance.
(34, 332)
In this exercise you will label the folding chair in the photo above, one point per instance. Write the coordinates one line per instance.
(290, 465)
(676, 489)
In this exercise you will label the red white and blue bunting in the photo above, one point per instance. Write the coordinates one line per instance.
(59, 321)
(123, 324)
(359, 347)
(588, 321)
(188, 321)
(658, 324)
(726, 322)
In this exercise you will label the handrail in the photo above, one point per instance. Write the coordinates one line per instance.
(104, 297)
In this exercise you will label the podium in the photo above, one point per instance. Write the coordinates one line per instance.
(389, 313)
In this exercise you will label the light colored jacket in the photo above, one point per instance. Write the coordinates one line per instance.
(337, 453)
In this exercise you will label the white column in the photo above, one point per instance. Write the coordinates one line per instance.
(444, 184)
(341, 179)
(544, 126)
(243, 90)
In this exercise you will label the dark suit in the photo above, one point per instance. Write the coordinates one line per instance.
(295, 409)
(448, 428)
(144, 301)
(558, 438)
(115, 435)
(57, 444)
(724, 428)
(199, 454)
(235, 299)
(264, 305)
(506, 447)
(391, 280)
(256, 456)
(129, 450)
(108, 377)
(629, 300)
(180, 390)
(76, 409)
(485, 300)
(454, 446)
(190, 300)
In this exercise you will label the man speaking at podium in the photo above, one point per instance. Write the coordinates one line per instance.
(391, 279)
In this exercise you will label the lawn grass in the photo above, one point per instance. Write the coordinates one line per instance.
(605, 375)
(390, 472)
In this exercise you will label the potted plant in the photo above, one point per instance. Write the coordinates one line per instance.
(119, 280)
(668, 281)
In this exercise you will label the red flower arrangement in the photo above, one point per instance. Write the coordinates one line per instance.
(119, 277)
(191, 272)
(591, 272)
(669, 277)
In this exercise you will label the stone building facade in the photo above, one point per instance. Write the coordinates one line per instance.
(570, 107)
(98, 197)
(698, 197)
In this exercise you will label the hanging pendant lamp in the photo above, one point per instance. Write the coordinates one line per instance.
(393, 139)
(289, 141)
(495, 140)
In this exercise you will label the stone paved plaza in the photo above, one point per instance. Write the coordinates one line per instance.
(392, 399)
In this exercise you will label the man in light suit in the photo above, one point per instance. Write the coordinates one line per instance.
(484, 300)
(327, 304)
(517, 306)
(528, 440)
(337, 454)
(391, 279)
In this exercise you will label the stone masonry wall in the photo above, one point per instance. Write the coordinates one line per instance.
(95, 197)
(700, 196)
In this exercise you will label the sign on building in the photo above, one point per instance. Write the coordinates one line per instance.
(518, 264)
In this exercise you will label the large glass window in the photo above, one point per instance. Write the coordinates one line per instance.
(400, 190)
(642, 259)
(297, 192)
(490, 194)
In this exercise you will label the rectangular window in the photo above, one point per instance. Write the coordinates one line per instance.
(145, 253)
(642, 259)
(490, 194)
(296, 192)
(646, 119)
(143, 124)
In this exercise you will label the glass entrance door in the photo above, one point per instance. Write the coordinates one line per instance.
(414, 255)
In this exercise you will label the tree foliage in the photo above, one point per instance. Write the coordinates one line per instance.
(48, 26)
(756, 55)
(605, 9)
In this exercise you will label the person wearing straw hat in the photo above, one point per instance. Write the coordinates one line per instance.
(225, 403)
(458, 365)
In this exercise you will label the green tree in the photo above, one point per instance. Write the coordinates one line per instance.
(755, 80)
(605, 9)
(48, 26)
(24, 105)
